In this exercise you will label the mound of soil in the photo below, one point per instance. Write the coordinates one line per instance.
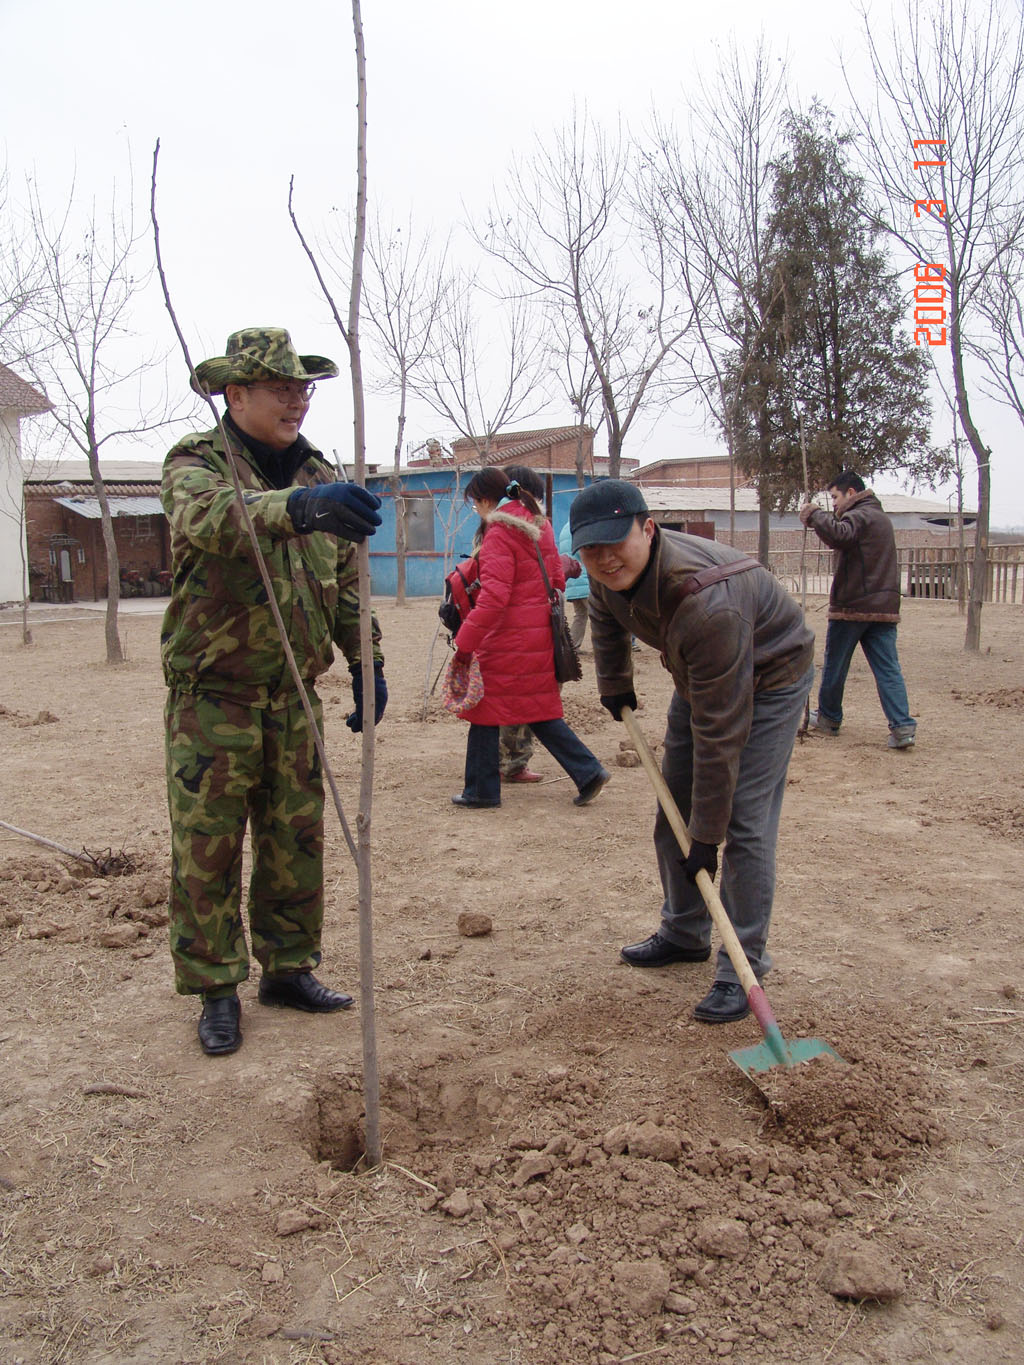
(575, 1170)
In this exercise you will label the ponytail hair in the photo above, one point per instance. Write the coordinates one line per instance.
(494, 483)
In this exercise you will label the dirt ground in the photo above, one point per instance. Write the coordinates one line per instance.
(574, 1170)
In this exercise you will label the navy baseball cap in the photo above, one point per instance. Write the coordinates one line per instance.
(603, 513)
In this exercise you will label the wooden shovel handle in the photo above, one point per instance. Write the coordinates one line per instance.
(705, 885)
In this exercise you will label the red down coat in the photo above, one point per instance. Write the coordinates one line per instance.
(509, 628)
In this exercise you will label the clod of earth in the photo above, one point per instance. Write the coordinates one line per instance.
(641, 1286)
(853, 1268)
(473, 924)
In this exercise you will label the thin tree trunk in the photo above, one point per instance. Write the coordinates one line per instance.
(371, 1076)
(400, 507)
(26, 580)
(115, 654)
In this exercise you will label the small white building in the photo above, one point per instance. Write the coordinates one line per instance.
(17, 400)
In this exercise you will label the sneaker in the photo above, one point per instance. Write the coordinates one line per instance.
(902, 736)
(821, 725)
(657, 951)
(591, 790)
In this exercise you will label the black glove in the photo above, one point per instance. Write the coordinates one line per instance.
(345, 510)
(380, 696)
(616, 703)
(701, 858)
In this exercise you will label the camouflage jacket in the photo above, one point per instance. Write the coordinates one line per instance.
(219, 635)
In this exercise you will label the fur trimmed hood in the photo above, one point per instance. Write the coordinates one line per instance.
(524, 521)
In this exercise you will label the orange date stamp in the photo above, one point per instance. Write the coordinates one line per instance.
(930, 293)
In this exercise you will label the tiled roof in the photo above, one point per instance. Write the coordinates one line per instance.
(22, 397)
(525, 444)
(86, 490)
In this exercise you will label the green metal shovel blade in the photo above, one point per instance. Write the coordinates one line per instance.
(780, 1055)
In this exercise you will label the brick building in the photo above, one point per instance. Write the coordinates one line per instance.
(66, 555)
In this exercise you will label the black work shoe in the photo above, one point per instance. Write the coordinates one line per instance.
(301, 991)
(220, 1025)
(659, 952)
(463, 800)
(591, 790)
(724, 1003)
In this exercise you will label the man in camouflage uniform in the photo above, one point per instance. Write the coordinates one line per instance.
(240, 749)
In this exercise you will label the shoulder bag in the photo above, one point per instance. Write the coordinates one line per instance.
(567, 662)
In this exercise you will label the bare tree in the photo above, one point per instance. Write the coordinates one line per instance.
(1001, 301)
(461, 380)
(404, 299)
(576, 376)
(942, 139)
(81, 347)
(349, 329)
(710, 192)
(567, 226)
(21, 276)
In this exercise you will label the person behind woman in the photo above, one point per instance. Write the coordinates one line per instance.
(515, 744)
(509, 631)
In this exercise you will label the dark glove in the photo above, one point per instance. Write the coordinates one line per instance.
(701, 858)
(616, 703)
(345, 510)
(380, 697)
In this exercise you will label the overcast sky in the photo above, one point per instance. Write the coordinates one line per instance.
(244, 96)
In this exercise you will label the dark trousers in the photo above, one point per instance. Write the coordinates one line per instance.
(483, 773)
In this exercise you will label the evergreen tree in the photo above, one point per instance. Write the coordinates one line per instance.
(831, 372)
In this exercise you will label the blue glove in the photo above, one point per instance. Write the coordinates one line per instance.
(701, 858)
(345, 510)
(380, 696)
(617, 702)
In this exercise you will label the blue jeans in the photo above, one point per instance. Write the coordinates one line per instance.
(747, 885)
(878, 641)
(483, 774)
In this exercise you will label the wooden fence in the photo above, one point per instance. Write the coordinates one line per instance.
(925, 571)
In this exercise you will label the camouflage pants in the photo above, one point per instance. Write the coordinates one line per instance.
(515, 748)
(229, 765)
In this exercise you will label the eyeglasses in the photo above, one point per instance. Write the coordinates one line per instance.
(287, 393)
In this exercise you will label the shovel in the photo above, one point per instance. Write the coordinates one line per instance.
(775, 1051)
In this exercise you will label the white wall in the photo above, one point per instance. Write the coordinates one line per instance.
(12, 530)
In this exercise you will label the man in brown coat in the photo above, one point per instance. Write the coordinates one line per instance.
(741, 659)
(864, 606)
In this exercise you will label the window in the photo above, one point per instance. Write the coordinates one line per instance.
(419, 521)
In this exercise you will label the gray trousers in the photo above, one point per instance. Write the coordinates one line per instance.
(747, 883)
(580, 616)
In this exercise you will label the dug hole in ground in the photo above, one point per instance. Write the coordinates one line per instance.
(574, 1169)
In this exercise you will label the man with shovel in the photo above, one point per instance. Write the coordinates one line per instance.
(741, 659)
(240, 749)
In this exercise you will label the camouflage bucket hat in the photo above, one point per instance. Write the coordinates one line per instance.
(261, 353)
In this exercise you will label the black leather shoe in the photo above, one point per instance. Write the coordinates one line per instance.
(220, 1025)
(724, 1003)
(659, 952)
(463, 800)
(591, 790)
(301, 991)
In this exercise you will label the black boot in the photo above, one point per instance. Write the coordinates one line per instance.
(220, 1025)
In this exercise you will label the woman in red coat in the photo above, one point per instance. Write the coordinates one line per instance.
(509, 631)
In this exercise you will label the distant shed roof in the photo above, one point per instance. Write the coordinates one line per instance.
(146, 472)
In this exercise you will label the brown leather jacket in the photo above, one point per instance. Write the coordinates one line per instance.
(721, 645)
(865, 569)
